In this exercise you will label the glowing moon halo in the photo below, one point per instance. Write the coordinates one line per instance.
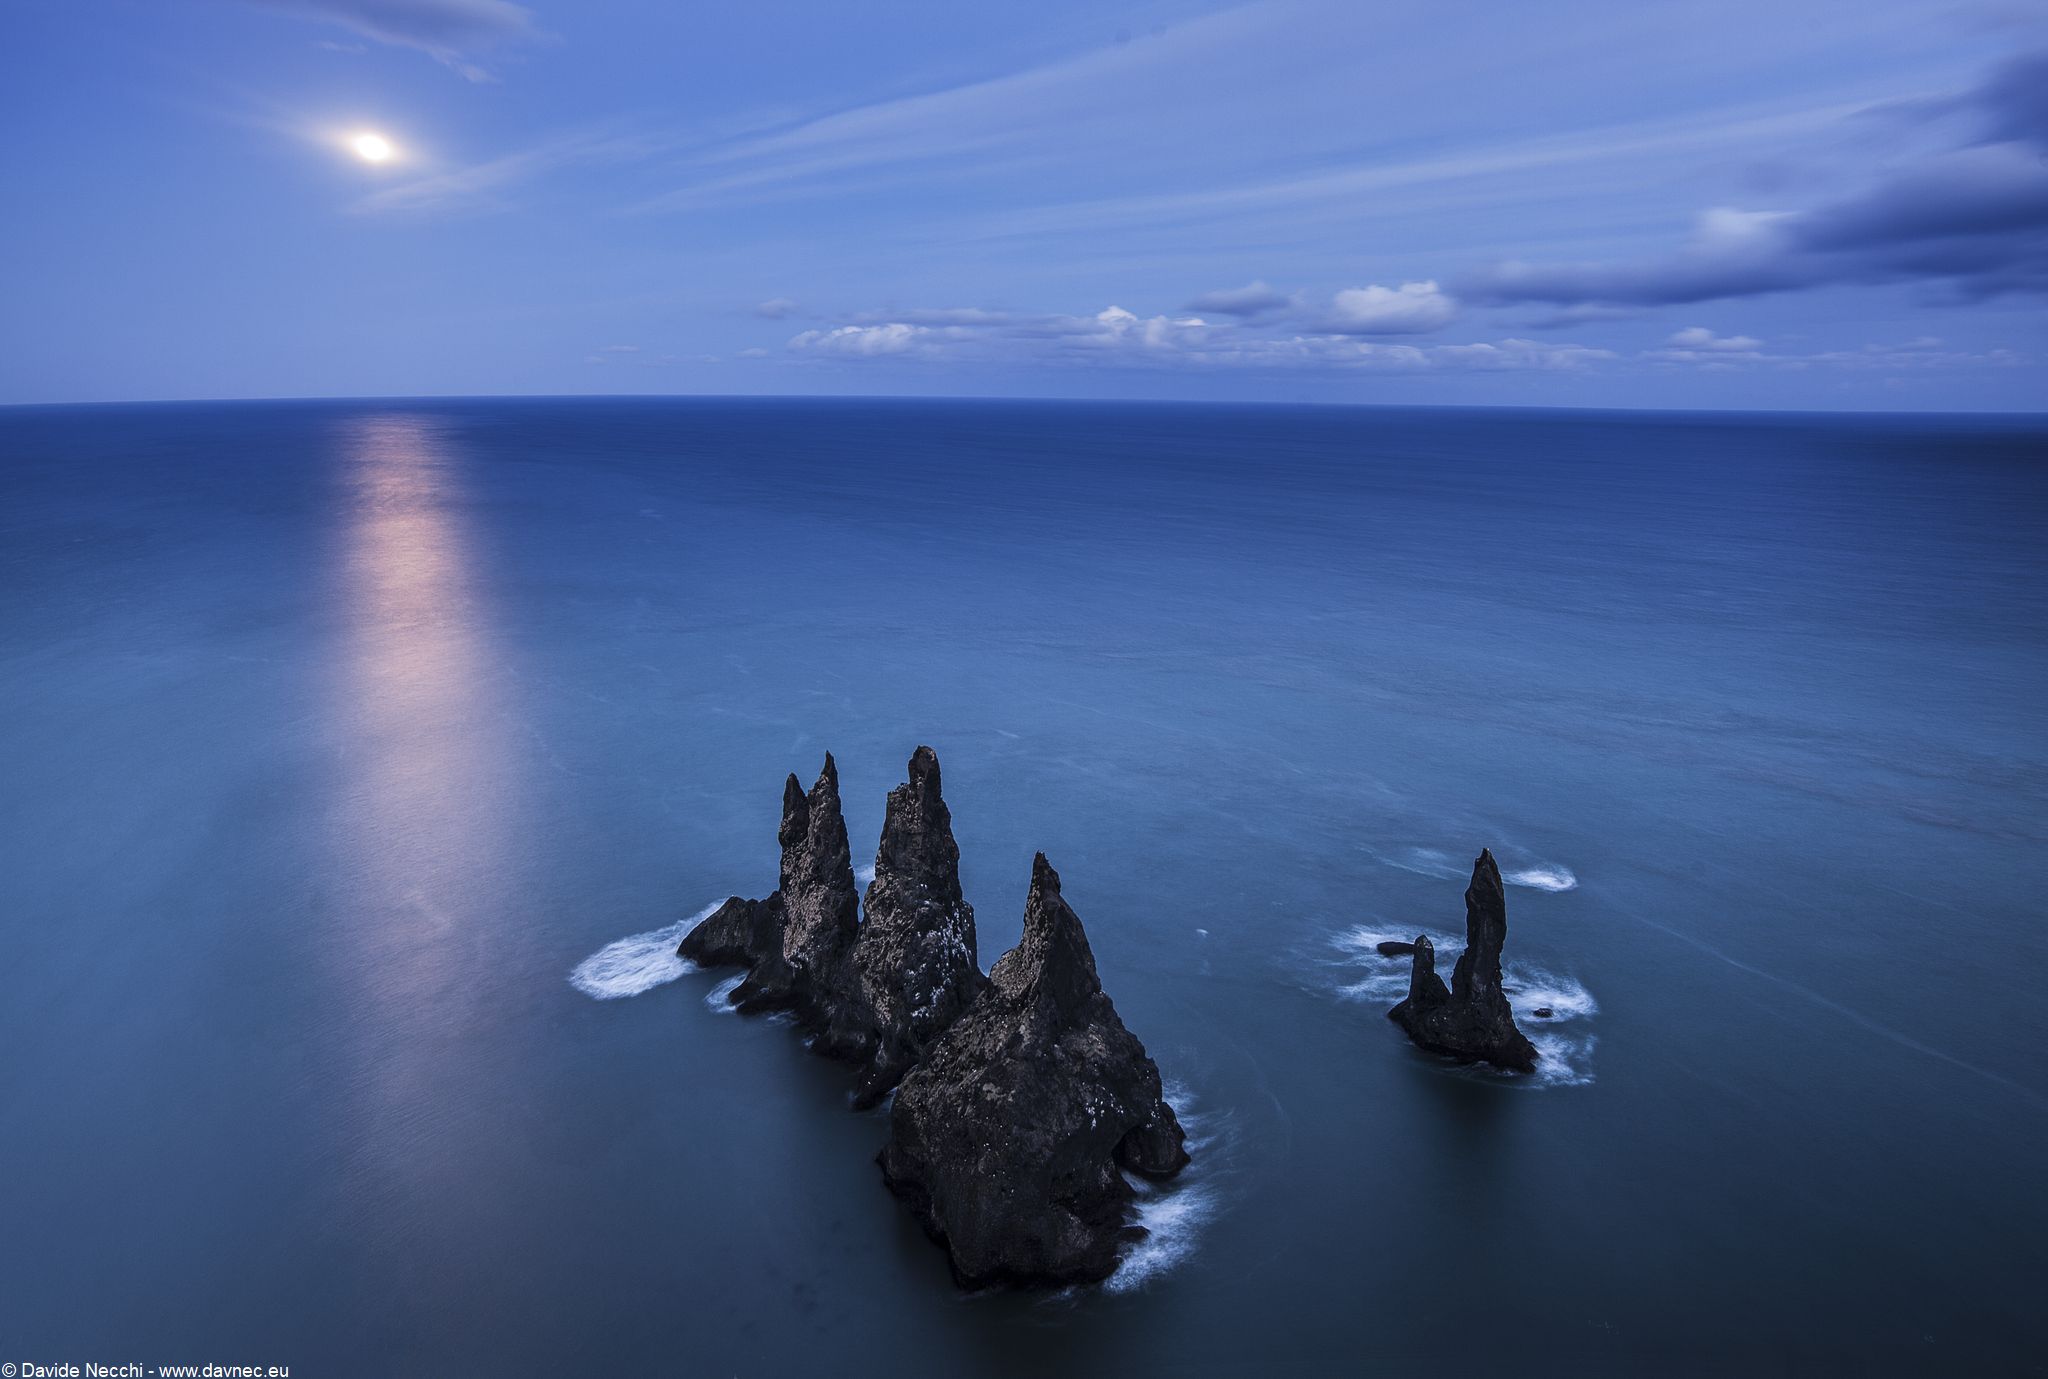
(371, 148)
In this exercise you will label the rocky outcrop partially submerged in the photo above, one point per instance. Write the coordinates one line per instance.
(876, 992)
(1471, 1019)
(1008, 1140)
(797, 944)
(1023, 1098)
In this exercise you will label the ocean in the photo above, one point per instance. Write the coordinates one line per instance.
(364, 761)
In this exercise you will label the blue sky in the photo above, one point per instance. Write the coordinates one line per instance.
(1798, 203)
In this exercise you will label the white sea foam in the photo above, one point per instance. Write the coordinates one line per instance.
(1174, 1213)
(1373, 977)
(864, 876)
(1563, 1059)
(1532, 989)
(1562, 1040)
(1540, 876)
(719, 997)
(640, 963)
(1172, 1218)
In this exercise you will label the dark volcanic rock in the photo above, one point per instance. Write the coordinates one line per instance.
(1391, 948)
(1471, 1020)
(1426, 990)
(820, 908)
(915, 961)
(798, 943)
(1543, 1012)
(738, 933)
(1007, 1141)
(877, 990)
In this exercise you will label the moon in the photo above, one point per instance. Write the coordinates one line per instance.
(371, 148)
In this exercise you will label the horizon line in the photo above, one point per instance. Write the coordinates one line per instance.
(1025, 398)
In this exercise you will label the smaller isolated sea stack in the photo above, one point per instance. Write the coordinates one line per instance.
(1471, 1020)
(1009, 1140)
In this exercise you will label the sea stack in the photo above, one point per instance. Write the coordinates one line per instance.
(1471, 1020)
(798, 943)
(875, 989)
(915, 961)
(1009, 1140)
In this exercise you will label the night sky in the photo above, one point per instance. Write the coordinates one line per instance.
(1605, 203)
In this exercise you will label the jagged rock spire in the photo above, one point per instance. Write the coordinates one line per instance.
(1426, 989)
(1472, 1020)
(1007, 1140)
(818, 894)
(1052, 964)
(1477, 975)
(917, 829)
(797, 942)
(916, 957)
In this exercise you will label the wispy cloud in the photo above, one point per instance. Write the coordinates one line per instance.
(978, 127)
(1971, 218)
(1700, 338)
(457, 33)
(864, 342)
(1720, 354)
(1122, 338)
(1115, 136)
(1464, 176)
(1239, 117)
(1413, 308)
(1119, 338)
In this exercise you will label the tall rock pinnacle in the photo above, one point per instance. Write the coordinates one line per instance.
(820, 905)
(915, 960)
(1007, 1140)
(1472, 1020)
(798, 942)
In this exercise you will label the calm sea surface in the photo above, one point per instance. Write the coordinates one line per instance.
(337, 735)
